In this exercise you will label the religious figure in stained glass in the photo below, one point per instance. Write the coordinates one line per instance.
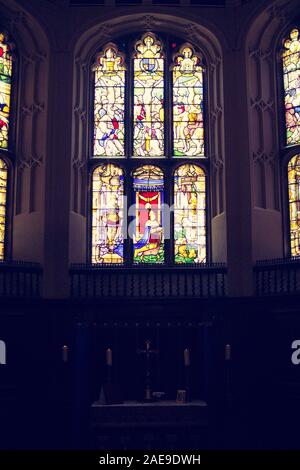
(294, 204)
(189, 214)
(188, 129)
(109, 104)
(6, 67)
(148, 184)
(107, 214)
(148, 98)
(3, 196)
(291, 75)
(127, 126)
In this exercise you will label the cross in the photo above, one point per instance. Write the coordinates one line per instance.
(148, 352)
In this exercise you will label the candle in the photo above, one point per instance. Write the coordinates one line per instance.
(109, 357)
(186, 355)
(65, 353)
(227, 352)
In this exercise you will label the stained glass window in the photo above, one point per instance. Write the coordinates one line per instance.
(109, 103)
(189, 214)
(291, 74)
(148, 184)
(5, 90)
(294, 204)
(148, 98)
(107, 214)
(3, 197)
(137, 85)
(188, 128)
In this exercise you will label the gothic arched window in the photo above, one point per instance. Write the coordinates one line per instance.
(6, 75)
(291, 83)
(148, 157)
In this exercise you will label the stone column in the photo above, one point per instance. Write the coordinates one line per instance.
(58, 176)
(237, 176)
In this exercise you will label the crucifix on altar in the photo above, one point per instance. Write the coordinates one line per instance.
(148, 353)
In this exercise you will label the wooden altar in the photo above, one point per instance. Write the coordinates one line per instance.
(164, 425)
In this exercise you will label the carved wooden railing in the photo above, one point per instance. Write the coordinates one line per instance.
(92, 281)
(277, 276)
(20, 279)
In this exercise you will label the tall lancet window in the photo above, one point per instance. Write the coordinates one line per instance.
(107, 214)
(148, 184)
(6, 70)
(3, 198)
(188, 122)
(148, 155)
(6, 92)
(291, 73)
(190, 214)
(294, 203)
(109, 101)
(148, 98)
(291, 83)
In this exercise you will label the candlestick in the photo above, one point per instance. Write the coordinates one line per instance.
(227, 352)
(109, 357)
(186, 355)
(187, 363)
(65, 353)
(228, 372)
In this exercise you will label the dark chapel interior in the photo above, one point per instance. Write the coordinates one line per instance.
(187, 341)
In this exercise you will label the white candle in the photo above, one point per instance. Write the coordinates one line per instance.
(109, 357)
(186, 355)
(227, 352)
(65, 353)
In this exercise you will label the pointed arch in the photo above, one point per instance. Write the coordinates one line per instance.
(147, 94)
